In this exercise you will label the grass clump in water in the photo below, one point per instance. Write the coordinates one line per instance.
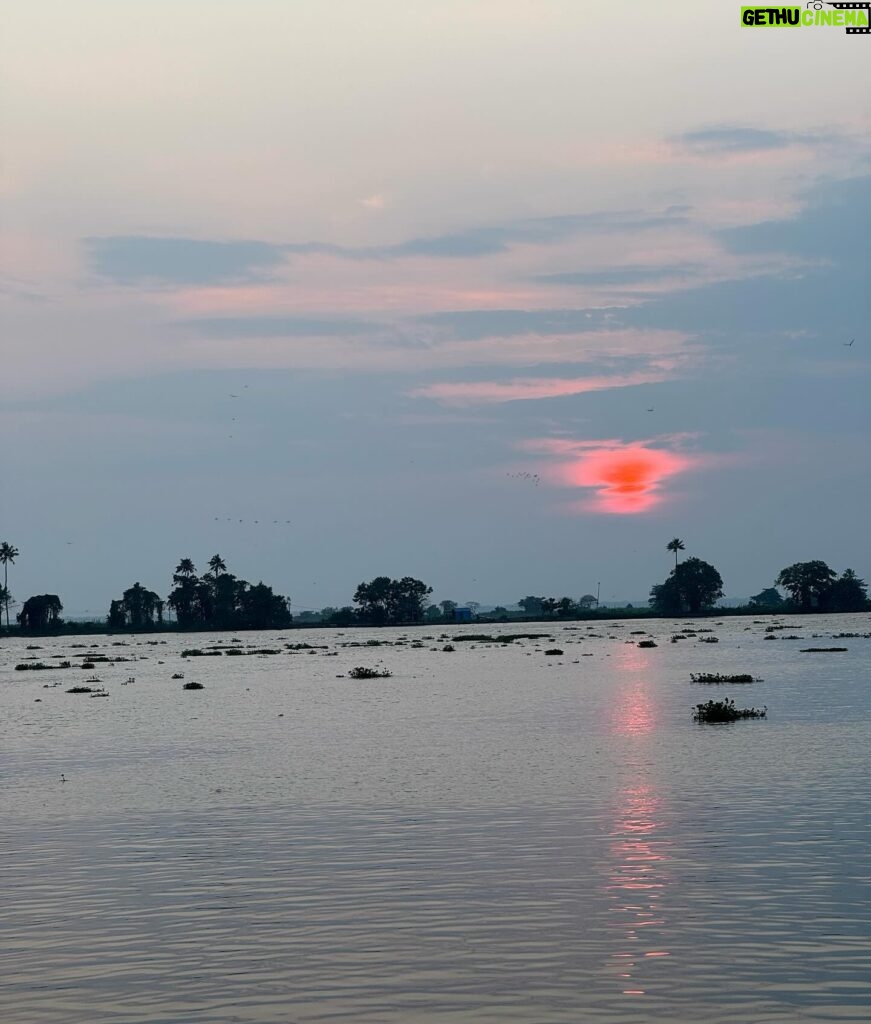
(195, 652)
(647, 643)
(716, 677)
(553, 651)
(725, 711)
(193, 686)
(368, 673)
(40, 666)
(821, 650)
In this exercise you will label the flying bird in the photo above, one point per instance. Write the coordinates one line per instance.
(849, 344)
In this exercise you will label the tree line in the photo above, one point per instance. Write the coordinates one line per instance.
(218, 599)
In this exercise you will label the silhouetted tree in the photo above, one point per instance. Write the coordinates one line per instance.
(666, 597)
(137, 609)
(40, 612)
(691, 586)
(260, 608)
(8, 554)
(848, 593)
(566, 607)
(217, 565)
(384, 600)
(808, 583)
(531, 605)
(587, 602)
(675, 545)
(183, 599)
(768, 598)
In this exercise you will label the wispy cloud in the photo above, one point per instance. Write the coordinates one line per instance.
(142, 259)
(276, 327)
(620, 276)
(147, 259)
(527, 388)
(739, 140)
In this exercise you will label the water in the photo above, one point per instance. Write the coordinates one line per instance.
(489, 835)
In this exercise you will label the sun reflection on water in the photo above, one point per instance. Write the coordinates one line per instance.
(636, 884)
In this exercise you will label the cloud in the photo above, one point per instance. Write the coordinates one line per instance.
(736, 140)
(526, 388)
(474, 324)
(626, 478)
(374, 202)
(276, 327)
(832, 225)
(618, 276)
(147, 259)
(143, 259)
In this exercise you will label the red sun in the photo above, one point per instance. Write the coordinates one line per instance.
(626, 480)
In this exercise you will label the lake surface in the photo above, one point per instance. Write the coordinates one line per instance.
(491, 834)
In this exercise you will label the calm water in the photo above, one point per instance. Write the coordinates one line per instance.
(489, 835)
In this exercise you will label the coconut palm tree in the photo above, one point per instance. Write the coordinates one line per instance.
(217, 565)
(8, 553)
(675, 545)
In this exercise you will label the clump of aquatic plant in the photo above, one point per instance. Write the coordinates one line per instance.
(195, 652)
(553, 651)
(708, 640)
(193, 686)
(368, 673)
(647, 643)
(449, 648)
(80, 689)
(821, 650)
(500, 638)
(40, 666)
(725, 711)
(178, 675)
(716, 677)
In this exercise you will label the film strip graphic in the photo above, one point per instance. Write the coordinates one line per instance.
(856, 30)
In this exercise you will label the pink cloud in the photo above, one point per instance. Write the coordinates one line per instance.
(471, 392)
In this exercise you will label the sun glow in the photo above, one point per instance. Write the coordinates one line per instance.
(626, 480)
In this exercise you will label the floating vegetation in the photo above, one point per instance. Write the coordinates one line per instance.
(709, 640)
(193, 686)
(368, 673)
(40, 666)
(502, 638)
(449, 648)
(238, 651)
(716, 677)
(307, 647)
(178, 675)
(725, 711)
(36, 647)
(647, 643)
(821, 650)
(553, 652)
(80, 689)
(195, 652)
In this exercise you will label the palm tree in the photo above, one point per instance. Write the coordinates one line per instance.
(675, 545)
(217, 565)
(185, 568)
(8, 553)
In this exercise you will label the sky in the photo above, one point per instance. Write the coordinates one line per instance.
(501, 295)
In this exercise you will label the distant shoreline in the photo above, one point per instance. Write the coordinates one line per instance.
(100, 628)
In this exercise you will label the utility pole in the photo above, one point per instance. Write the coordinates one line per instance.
(598, 587)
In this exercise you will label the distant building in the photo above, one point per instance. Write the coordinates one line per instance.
(462, 614)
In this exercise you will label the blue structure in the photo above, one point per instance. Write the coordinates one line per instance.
(462, 614)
